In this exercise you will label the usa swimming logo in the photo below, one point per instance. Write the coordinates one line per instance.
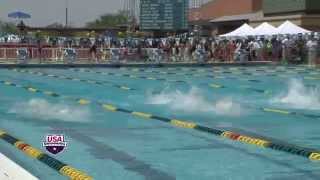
(55, 143)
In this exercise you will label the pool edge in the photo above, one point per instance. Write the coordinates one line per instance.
(253, 63)
(13, 171)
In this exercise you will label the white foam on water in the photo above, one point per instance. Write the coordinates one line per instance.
(194, 101)
(227, 106)
(299, 96)
(41, 109)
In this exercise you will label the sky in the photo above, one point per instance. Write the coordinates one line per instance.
(45, 12)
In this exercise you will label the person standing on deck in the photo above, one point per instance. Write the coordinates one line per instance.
(186, 53)
(312, 45)
(257, 51)
(93, 52)
(233, 46)
(301, 47)
(39, 48)
(275, 49)
(285, 49)
(268, 48)
(238, 50)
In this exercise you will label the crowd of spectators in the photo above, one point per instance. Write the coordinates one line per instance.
(292, 48)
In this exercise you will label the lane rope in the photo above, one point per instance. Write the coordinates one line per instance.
(122, 87)
(159, 79)
(249, 88)
(129, 76)
(231, 70)
(37, 154)
(212, 85)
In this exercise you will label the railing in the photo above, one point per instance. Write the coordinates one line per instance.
(3, 53)
(57, 54)
(46, 53)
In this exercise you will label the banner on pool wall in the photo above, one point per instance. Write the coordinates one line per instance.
(54, 143)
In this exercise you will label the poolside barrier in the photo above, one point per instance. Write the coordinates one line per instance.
(259, 142)
(53, 163)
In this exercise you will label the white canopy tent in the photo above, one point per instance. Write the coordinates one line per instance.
(265, 29)
(244, 30)
(290, 28)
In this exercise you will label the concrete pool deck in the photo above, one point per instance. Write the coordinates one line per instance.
(9, 170)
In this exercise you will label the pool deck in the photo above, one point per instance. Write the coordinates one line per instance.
(9, 170)
(117, 65)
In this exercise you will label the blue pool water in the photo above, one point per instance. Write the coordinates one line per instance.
(118, 146)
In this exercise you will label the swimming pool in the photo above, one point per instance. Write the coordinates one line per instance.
(105, 115)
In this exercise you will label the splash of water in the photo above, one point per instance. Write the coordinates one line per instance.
(227, 106)
(41, 109)
(193, 102)
(299, 96)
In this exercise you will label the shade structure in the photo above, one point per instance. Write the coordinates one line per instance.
(290, 28)
(19, 15)
(244, 30)
(265, 29)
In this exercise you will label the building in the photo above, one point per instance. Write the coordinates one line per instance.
(221, 16)
(305, 13)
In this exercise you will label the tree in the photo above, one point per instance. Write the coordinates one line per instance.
(55, 25)
(109, 20)
(8, 27)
